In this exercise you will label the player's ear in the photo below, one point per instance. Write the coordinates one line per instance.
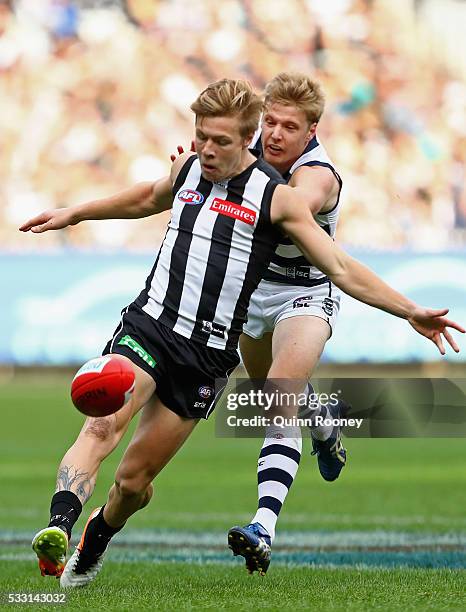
(247, 140)
(311, 132)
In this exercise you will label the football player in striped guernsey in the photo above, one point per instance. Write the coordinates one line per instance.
(293, 312)
(227, 210)
(295, 304)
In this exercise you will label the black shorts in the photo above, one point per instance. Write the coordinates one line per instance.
(188, 375)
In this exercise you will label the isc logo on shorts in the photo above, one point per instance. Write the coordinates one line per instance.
(189, 196)
(302, 302)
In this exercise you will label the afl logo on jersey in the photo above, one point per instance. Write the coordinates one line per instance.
(189, 196)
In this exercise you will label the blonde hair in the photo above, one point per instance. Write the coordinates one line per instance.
(297, 89)
(228, 98)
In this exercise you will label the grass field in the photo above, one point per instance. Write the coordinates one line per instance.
(389, 535)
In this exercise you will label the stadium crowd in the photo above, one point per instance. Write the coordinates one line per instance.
(96, 94)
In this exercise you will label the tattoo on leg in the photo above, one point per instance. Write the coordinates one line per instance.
(71, 479)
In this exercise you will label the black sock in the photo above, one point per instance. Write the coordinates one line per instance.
(65, 509)
(98, 534)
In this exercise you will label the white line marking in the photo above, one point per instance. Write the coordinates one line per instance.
(285, 539)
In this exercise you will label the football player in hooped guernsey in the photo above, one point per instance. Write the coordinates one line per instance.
(227, 208)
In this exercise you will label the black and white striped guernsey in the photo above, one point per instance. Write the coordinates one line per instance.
(217, 247)
(288, 265)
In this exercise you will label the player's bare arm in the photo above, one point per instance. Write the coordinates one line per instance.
(318, 186)
(141, 200)
(292, 214)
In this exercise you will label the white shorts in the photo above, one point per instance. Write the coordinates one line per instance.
(274, 302)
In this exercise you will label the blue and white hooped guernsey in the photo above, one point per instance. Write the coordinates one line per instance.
(288, 265)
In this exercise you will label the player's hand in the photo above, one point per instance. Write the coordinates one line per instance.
(49, 220)
(433, 325)
(180, 150)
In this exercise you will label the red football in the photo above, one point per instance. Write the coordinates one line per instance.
(103, 385)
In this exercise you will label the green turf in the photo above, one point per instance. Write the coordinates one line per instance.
(188, 587)
(412, 486)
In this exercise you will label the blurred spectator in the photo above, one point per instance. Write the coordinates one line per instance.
(96, 94)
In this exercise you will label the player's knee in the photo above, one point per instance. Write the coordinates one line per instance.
(127, 487)
(131, 486)
(134, 480)
(148, 495)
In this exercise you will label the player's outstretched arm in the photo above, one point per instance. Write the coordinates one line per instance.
(355, 279)
(141, 200)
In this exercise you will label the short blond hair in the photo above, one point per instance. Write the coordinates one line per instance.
(228, 98)
(297, 89)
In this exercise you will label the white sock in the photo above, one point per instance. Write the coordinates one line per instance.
(310, 411)
(277, 466)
